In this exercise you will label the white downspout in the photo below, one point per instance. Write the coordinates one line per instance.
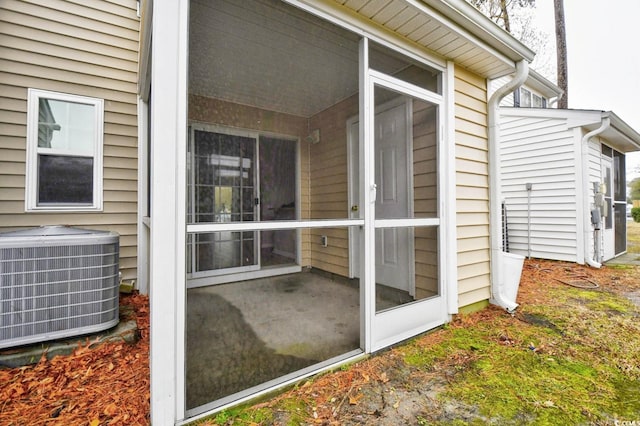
(495, 190)
(606, 121)
(554, 101)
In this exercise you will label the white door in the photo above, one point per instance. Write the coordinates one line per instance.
(393, 260)
(392, 201)
(608, 231)
(406, 284)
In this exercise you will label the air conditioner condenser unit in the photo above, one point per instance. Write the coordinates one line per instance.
(57, 282)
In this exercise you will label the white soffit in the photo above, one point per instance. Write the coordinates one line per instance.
(473, 42)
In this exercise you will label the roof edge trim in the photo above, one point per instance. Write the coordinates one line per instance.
(474, 21)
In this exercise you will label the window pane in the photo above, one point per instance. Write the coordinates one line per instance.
(620, 213)
(525, 98)
(67, 126)
(221, 178)
(608, 198)
(278, 187)
(397, 65)
(396, 249)
(536, 101)
(619, 177)
(63, 179)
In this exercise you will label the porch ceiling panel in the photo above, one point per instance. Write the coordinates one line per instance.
(269, 55)
(277, 57)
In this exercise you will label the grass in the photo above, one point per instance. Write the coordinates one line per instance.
(578, 365)
(633, 237)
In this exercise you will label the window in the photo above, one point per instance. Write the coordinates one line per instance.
(526, 99)
(64, 152)
(536, 101)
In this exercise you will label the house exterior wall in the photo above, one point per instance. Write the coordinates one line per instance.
(87, 48)
(540, 151)
(472, 187)
(425, 194)
(328, 185)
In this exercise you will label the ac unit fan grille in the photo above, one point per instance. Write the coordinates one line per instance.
(57, 291)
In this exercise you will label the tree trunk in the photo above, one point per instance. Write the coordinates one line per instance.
(505, 15)
(561, 52)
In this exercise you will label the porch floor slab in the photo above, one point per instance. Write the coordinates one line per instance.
(625, 259)
(246, 333)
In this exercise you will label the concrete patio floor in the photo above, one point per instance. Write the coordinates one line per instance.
(246, 333)
(243, 334)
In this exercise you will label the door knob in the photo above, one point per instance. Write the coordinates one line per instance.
(354, 208)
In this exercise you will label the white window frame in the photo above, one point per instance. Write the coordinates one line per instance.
(31, 188)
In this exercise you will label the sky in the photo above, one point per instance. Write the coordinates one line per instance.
(603, 48)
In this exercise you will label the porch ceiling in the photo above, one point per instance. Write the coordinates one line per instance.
(265, 35)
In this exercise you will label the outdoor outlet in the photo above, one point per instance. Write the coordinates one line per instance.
(323, 241)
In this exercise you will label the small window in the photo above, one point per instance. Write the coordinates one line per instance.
(525, 98)
(64, 152)
(536, 101)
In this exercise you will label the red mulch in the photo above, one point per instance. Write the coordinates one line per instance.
(107, 384)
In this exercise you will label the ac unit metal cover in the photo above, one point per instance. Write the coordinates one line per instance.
(56, 282)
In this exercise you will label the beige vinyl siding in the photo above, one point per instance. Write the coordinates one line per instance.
(425, 196)
(328, 185)
(86, 48)
(472, 187)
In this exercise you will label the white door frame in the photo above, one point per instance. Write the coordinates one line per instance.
(394, 325)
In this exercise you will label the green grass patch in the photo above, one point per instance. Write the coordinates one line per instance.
(569, 362)
(242, 416)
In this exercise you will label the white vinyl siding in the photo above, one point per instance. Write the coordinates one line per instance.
(540, 151)
(84, 48)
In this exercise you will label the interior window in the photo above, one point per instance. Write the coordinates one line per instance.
(64, 151)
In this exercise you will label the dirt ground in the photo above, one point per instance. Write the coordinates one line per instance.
(437, 378)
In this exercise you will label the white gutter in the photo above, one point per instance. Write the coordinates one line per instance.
(606, 121)
(495, 190)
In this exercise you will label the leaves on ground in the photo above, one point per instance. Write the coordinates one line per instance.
(107, 384)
